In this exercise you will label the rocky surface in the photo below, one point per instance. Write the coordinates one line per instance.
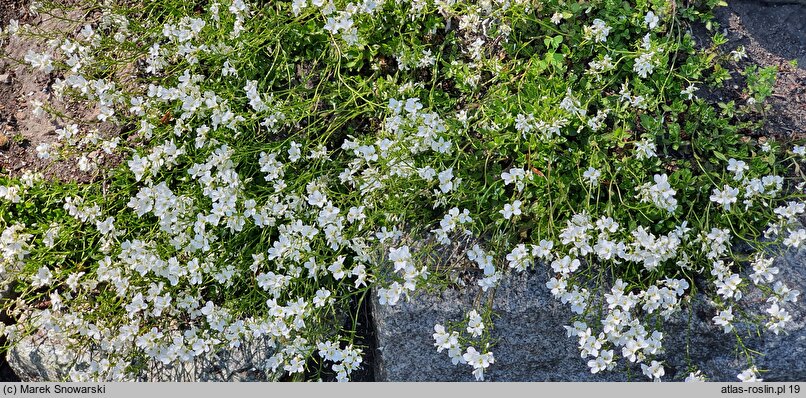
(41, 358)
(533, 345)
(785, 1)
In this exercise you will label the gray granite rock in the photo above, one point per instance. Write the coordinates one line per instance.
(533, 345)
(785, 354)
(803, 2)
(41, 358)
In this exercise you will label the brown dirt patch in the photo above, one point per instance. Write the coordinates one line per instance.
(21, 131)
(772, 35)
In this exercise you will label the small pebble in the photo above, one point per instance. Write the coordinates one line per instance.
(5, 78)
(3, 140)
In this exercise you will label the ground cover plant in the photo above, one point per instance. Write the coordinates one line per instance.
(279, 161)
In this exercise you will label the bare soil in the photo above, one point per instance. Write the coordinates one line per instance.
(20, 130)
(772, 34)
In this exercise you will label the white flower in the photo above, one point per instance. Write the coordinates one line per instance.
(785, 294)
(510, 210)
(651, 20)
(565, 265)
(294, 152)
(73, 279)
(391, 295)
(524, 123)
(572, 105)
(738, 167)
(360, 274)
(446, 182)
(413, 105)
(653, 371)
(606, 249)
(728, 287)
(557, 18)
(790, 211)
(13, 27)
(43, 61)
(738, 54)
(478, 361)
(598, 31)
(799, 150)
(475, 326)
(43, 151)
(317, 198)
(643, 64)
(401, 257)
(695, 377)
(489, 281)
(749, 375)
(10, 193)
(426, 59)
(592, 175)
(516, 176)
(295, 365)
(632, 350)
(427, 173)
(322, 297)
(356, 214)
(763, 269)
(107, 226)
(444, 340)
(596, 67)
(519, 258)
(543, 249)
(689, 91)
(779, 317)
(645, 149)
(138, 166)
(724, 319)
(795, 238)
(42, 277)
(603, 362)
(337, 268)
(297, 6)
(661, 193)
(558, 287)
(725, 197)
(49, 239)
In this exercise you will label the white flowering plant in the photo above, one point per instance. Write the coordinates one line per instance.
(271, 156)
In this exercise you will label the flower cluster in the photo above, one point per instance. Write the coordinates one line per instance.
(274, 163)
(660, 194)
(453, 342)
